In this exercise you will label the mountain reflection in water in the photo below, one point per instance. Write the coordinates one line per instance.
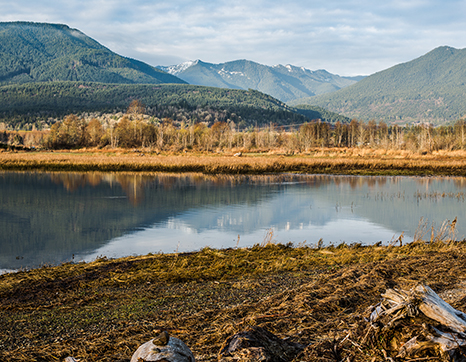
(49, 218)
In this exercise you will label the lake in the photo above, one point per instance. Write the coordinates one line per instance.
(50, 218)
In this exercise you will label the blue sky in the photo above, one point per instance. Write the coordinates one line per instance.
(344, 37)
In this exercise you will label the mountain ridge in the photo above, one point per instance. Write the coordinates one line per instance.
(36, 105)
(37, 52)
(429, 88)
(284, 82)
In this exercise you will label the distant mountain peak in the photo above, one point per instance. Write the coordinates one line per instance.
(178, 68)
(284, 82)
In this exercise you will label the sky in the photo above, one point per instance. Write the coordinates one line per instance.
(345, 37)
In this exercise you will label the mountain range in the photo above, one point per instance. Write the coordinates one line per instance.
(431, 88)
(50, 70)
(38, 52)
(284, 82)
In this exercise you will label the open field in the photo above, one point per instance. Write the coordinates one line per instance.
(102, 311)
(334, 160)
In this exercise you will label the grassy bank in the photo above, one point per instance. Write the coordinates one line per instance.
(101, 311)
(334, 161)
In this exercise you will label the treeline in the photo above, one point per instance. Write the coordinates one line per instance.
(36, 105)
(136, 130)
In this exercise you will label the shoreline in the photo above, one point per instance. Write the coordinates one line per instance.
(103, 310)
(320, 161)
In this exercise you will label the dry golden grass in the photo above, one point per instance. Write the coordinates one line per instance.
(337, 161)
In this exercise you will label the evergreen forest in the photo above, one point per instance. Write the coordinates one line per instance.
(37, 105)
(38, 52)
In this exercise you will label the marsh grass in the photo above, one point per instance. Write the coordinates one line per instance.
(101, 311)
(337, 161)
(446, 232)
(269, 238)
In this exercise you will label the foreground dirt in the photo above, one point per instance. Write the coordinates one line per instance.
(104, 310)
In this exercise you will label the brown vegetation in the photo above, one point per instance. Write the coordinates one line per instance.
(334, 160)
(102, 311)
(135, 129)
(135, 142)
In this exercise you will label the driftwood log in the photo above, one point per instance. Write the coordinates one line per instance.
(419, 324)
(163, 348)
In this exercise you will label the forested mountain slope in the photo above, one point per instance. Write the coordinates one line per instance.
(22, 106)
(427, 89)
(37, 52)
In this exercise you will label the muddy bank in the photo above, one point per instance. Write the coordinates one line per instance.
(102, 311)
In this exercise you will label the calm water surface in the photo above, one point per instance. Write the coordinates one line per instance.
(50, 218)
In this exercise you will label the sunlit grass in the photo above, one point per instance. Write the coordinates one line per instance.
(101, 311)
(336, 161)
(224, 264)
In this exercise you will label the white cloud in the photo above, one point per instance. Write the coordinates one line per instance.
(345, 37)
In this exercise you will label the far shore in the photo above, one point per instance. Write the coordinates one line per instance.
(317, 161)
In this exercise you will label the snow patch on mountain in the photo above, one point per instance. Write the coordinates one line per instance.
(284, 82)
(223, 72)
(293, 69)
(178, 68)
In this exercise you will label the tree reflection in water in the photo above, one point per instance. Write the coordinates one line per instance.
(49, 217)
